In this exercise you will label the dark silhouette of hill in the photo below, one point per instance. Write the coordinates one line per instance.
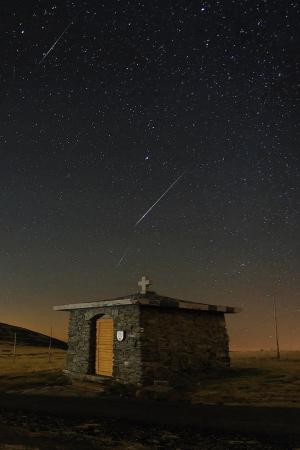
(27, 337)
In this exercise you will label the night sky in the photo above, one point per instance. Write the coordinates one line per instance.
(103, 106)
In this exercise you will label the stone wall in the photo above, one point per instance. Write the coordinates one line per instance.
(78, 343)
(176, 343)
(82, 337)
(160, 343)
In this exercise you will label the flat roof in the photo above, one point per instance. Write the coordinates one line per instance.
(149, 299)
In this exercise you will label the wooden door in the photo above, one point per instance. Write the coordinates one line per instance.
(104, 346)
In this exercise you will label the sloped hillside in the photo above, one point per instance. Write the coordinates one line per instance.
(27, 337)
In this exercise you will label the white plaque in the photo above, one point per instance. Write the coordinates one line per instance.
(120, 335)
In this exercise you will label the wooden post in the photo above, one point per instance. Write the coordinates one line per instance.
(15, 346)
(50, 345)
(276, 329)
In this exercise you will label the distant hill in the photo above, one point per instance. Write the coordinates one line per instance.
(27, 337)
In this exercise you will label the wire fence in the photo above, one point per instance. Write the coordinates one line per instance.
(16, 345)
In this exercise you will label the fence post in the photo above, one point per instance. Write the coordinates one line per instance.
(15, 346)
(50, 346)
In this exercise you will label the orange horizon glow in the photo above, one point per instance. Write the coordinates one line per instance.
(252, 338)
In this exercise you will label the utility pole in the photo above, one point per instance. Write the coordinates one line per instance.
(50, 345)
(276, 328)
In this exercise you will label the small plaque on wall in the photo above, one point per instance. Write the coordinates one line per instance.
(120, 335)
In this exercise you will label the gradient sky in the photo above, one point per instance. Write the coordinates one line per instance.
(103, 105)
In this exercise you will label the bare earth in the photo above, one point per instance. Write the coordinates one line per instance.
(256, 378)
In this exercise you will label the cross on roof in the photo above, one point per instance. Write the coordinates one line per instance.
(144, 283)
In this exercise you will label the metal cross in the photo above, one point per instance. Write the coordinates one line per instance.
(144, 283)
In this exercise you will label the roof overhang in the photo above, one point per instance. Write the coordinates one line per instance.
(176, 304)
(100, 304)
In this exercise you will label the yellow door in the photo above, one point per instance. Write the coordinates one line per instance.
(104, 347)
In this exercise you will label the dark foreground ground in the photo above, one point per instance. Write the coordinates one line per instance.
(52, 423)
(253, 406)
(31, 432)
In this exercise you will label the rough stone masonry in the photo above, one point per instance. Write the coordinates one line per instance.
(162, 339)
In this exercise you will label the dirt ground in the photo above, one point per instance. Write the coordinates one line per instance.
(28, 432)
(255, 378)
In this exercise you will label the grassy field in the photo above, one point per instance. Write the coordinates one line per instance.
(255, 378)
(29, 359)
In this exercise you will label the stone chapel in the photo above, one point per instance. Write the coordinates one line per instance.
(145, 338)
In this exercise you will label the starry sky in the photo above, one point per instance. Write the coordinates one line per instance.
(104, 104)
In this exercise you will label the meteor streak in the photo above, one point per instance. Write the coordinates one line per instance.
(159, 199)
(57, 41)
(205, 164)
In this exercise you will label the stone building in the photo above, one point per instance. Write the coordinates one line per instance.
(146, 338)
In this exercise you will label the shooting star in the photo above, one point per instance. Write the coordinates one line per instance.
(159, 199)
(57, 40)
(147, 212)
